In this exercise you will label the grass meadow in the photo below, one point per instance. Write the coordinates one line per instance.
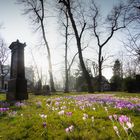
(73, 116)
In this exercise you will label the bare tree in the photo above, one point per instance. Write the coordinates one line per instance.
(133, 28)
(68, 63)
(113, 25)
(68, 5)
(131, 68)
(37, 14)
(65, 23)
(133, 12)
(132, 45)
(66, 53)
(3, 58)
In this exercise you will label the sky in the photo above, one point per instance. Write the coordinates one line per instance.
(18, 26)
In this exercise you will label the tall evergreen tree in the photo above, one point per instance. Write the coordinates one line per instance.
(117, 69)
(116, 80)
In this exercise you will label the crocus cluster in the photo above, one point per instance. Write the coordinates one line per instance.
(85, 116)
(69, 113)
(44, 124)
(113, 117)
(92, 118)
(12, 113)
(63, 107)
(62, 112)
(57, 103)
(84, 101)
(19, 104)
(43, 116)
(39, 104)
(4, 104)
(130, 125)
(69, 129)
(124, 121)
(116, 130)
(125, 104)
(106, 109)
(4, 109)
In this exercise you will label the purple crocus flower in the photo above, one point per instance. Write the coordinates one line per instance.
(123, 119)
(4, 109)
(44, 124)
(110, 117)
(69, 113)
(19, 104)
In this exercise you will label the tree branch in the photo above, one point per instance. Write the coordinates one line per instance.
(82, 30)
(74, 58)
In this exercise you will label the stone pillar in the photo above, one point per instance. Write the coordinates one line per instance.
(17, 85)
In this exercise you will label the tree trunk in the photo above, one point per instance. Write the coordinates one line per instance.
(66, 64)
(66, 56)
(100, 70)
(66, 90)
(2, 82)
(49, 59)
(85, 72)
(78, 40)
(2, 77)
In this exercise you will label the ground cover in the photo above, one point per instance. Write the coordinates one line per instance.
(109, 116)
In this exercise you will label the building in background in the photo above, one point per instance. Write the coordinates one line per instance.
(29, 74)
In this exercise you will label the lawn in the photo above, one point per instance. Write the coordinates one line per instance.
(75, 116)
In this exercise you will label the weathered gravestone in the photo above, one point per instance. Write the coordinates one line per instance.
(17, 85)
(46, 90)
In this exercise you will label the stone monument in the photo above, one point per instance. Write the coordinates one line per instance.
(17, 85)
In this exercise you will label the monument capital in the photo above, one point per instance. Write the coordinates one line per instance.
(17, 44)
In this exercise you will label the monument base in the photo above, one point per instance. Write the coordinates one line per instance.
(17, 89)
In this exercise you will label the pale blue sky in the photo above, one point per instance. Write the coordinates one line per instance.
(16, 26)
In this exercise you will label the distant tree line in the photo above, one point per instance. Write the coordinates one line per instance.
(130, 83)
